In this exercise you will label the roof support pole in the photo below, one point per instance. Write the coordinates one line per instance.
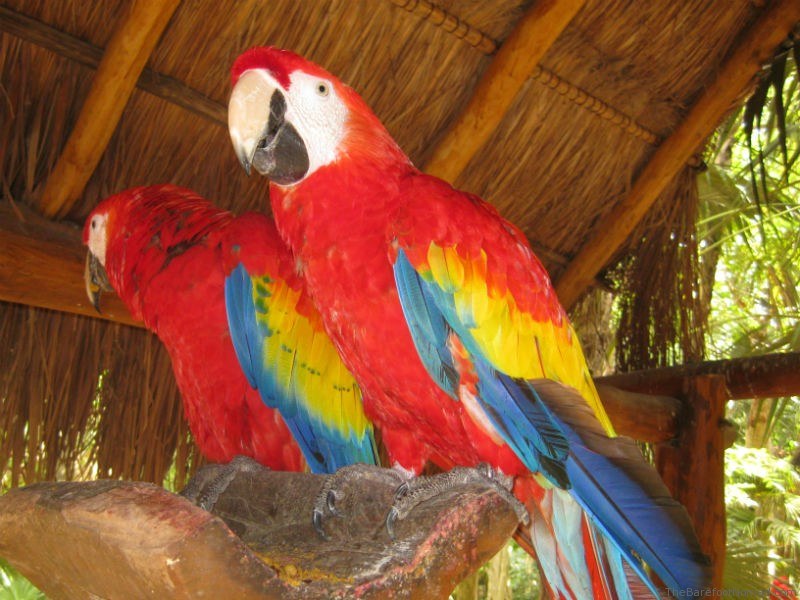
(717, 99)
(693, 467)
(127, 53)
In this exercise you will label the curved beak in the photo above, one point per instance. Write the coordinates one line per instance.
(95, 280)
(249, 114)
(262, 136)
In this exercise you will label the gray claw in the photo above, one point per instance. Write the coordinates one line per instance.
(331, 499)
(391, 518)
(316, 519)
(411, 493)
(402, 490)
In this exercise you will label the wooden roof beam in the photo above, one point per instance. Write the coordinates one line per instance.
(716, 100)
(513, 64)
(66, 45)
(127, 52)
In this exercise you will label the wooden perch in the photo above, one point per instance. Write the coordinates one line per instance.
(512, 66)
(123, 61)
(767, 376)
(165, 87)
(41, 264)
(716, 100)
(115, 539)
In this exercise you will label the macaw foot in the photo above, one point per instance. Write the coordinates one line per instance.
(331, 492)
(205, 488)
(415, 491)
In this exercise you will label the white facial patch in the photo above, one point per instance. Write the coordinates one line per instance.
(319, 115)
(97, 237)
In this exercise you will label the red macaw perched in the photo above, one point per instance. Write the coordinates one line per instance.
(178, 263)
(452, 329)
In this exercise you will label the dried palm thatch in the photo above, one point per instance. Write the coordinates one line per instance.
(78, 393)
(617, 81)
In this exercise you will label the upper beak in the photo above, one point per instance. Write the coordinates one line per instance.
(249, 115)
(95, 279)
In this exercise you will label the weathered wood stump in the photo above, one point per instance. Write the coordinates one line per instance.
(115, 539)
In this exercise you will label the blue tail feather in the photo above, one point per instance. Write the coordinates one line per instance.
(608, 477)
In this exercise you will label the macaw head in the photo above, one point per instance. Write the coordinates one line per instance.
(289, 118)
(135, 234)
(99, 226)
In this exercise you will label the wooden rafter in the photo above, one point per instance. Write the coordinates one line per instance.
(716, 100)
(652, 419)
(438, 17)
(512, 66)
(164, 87)
(127, 52)
(768, 376)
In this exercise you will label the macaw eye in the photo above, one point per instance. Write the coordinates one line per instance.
(322, 88)
(94, 223)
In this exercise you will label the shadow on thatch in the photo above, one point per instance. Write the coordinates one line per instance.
(80, 398)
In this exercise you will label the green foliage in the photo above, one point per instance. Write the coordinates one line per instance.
(762, 499)
(750, 249)
(524, 574)
(523, 578)
(14, 586)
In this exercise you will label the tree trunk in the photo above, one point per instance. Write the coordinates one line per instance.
(757, 422)
(468, 588)
(497, 571)
(591, 318)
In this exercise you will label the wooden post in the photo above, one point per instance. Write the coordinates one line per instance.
(693, 466)
(716, 100)
(512, 66)
(125, 57)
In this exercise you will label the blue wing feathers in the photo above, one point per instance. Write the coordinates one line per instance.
(324, 449)
(428, 326)
(241, 319)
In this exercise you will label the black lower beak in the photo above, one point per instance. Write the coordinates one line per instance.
(96, 280)
(280, 153)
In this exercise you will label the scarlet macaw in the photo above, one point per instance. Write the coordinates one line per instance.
(453, 330)
(187, 268)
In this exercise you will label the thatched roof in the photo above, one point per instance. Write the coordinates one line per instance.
(607, 104)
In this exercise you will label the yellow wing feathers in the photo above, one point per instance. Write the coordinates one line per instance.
(306, 360)
(511, 339)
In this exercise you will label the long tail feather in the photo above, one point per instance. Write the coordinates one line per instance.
(625, 496)
(634, 516)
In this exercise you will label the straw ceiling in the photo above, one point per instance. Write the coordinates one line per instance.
(612, 80)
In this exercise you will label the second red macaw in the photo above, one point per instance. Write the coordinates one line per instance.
(452, 328)
(257, 374)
